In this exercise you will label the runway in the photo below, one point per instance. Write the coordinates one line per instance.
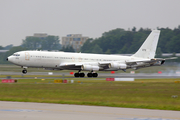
(101, 75)
(45, 111)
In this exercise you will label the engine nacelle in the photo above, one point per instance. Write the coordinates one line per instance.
(90, 67)
(117, 65)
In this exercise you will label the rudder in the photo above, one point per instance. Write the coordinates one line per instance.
(148, 48)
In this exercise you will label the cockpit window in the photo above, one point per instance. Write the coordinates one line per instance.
(16, 54)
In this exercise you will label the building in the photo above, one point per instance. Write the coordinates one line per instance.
(39, 35)
(74, 40)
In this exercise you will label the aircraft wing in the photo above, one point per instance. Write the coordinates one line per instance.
(131, 62)
(116, 64)
(72, 66)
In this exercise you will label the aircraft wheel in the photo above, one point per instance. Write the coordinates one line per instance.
(24, 71)
(89, 74)
(76, 75)
(81, 74)
(95, 74)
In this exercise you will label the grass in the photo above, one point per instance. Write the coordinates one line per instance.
(32, 76)
(142, 93)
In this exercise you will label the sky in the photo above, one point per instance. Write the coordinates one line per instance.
(21, 18)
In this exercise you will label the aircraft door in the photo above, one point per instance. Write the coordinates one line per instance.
(27, 56)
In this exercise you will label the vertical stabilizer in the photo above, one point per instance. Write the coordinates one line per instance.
(148, 48)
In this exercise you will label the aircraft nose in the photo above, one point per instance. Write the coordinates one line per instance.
(9, 59)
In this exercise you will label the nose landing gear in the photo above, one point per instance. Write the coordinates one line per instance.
(24, 71)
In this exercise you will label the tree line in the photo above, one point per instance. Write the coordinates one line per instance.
(120, 41)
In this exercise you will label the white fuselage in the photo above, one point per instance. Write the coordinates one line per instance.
(45, 59)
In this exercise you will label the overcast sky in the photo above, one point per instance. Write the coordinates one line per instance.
(21, 18)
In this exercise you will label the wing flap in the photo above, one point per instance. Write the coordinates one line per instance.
(146, 62)
(71, 66)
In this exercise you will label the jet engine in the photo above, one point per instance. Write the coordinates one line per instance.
(117, 65)
(89, 67)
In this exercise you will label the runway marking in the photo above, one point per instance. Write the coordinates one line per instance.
(145, 119)
(75, 111)
(20, 110)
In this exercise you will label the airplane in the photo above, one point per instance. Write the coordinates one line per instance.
(144, 57)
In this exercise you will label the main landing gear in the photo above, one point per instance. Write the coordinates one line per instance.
(91, 74)
(78, 74)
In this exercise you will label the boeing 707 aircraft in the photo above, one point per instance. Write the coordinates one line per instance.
(144, 57)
